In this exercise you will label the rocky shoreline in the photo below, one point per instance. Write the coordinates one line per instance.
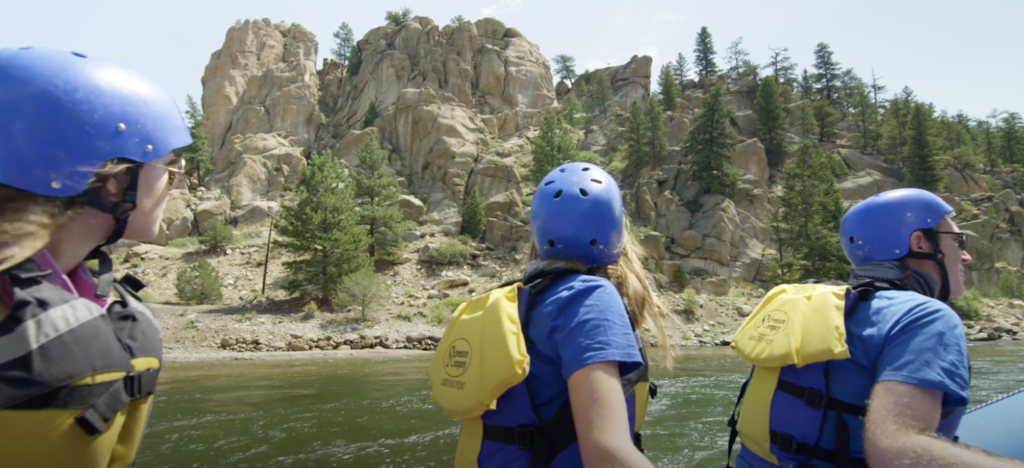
(998, 329)
(366, 344)
(353, 342)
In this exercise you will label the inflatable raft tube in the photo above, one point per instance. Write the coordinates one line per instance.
(996, 426)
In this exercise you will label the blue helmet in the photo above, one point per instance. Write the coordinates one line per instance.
(577, 215)
(62, 114)
(879, 228)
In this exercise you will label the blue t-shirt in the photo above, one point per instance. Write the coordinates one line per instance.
(576, 321)
(900, 336)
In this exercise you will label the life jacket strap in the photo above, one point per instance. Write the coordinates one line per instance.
(101, 402)
(788, 444)
(818, 400)
(522, 437)
(95, 417)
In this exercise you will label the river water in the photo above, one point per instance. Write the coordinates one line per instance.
(376, 412)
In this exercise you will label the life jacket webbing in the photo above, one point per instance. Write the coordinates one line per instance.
(100, 402)
(817, 399)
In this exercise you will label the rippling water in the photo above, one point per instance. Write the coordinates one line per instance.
(376, 412)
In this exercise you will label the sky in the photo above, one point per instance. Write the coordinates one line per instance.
(959, 55)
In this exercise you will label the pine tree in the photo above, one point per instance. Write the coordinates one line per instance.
(781, 65)
(474, 220)
(680, 71)
(634, 136)
(826, 118)
(710, 145)
(704, 56)
(737, 58)
(806, 86)
(876, 88)
(554, 145)
(602, 94)
(771, 121)
(895, 124)
(398, 18)
(988, 145)
(923, 167)
(371, 114)
(865, 120)
(828, 71)
(323, 230)
(806, 226)
(1011, 138)
(355, 60)
(805, 123)
(376, 190)
(565, 67)
(197, 154)
(343, 41)
(667, 88)
(654, 131)
(570, 107)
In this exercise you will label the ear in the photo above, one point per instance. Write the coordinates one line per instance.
(918, 243)
(114, 186)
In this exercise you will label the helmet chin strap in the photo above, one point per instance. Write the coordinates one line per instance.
(119, 210)
(939, 258)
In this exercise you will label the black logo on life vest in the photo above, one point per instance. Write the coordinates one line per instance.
(772, 322)
(457, 357)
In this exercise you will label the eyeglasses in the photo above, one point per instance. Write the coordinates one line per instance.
(961, 238)
(174, 169)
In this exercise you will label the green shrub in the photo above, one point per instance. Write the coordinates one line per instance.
(680, 277)
(693, 204)
(215, 235)
(443, 309)
(451, 252)
(587, 157)
(1011, 285)
(183, 242)
(968, 305)
(199, 284)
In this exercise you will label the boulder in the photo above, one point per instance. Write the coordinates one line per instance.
(412, 208)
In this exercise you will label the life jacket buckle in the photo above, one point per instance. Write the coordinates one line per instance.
(140, 384)
(814, 398)
(526, 437)
(786, 443)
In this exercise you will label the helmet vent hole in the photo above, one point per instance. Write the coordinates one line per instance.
(558, 195)
(79, 54)
(852, 240)
(596, 181)
(561, 170)
(585, 169)
(593, 242)
(584, 193)
(548, 183)
(551, 243)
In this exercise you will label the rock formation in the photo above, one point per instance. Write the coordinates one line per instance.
(458, 106)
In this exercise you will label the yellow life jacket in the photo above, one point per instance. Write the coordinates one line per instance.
(478, 375)
(76, 381)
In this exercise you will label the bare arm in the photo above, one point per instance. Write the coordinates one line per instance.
(899, 431)
(602, 423)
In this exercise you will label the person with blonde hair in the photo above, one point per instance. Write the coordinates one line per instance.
(86, 159)
(584, 398)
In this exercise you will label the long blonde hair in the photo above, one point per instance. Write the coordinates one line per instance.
(629, 278)
(28, 220)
